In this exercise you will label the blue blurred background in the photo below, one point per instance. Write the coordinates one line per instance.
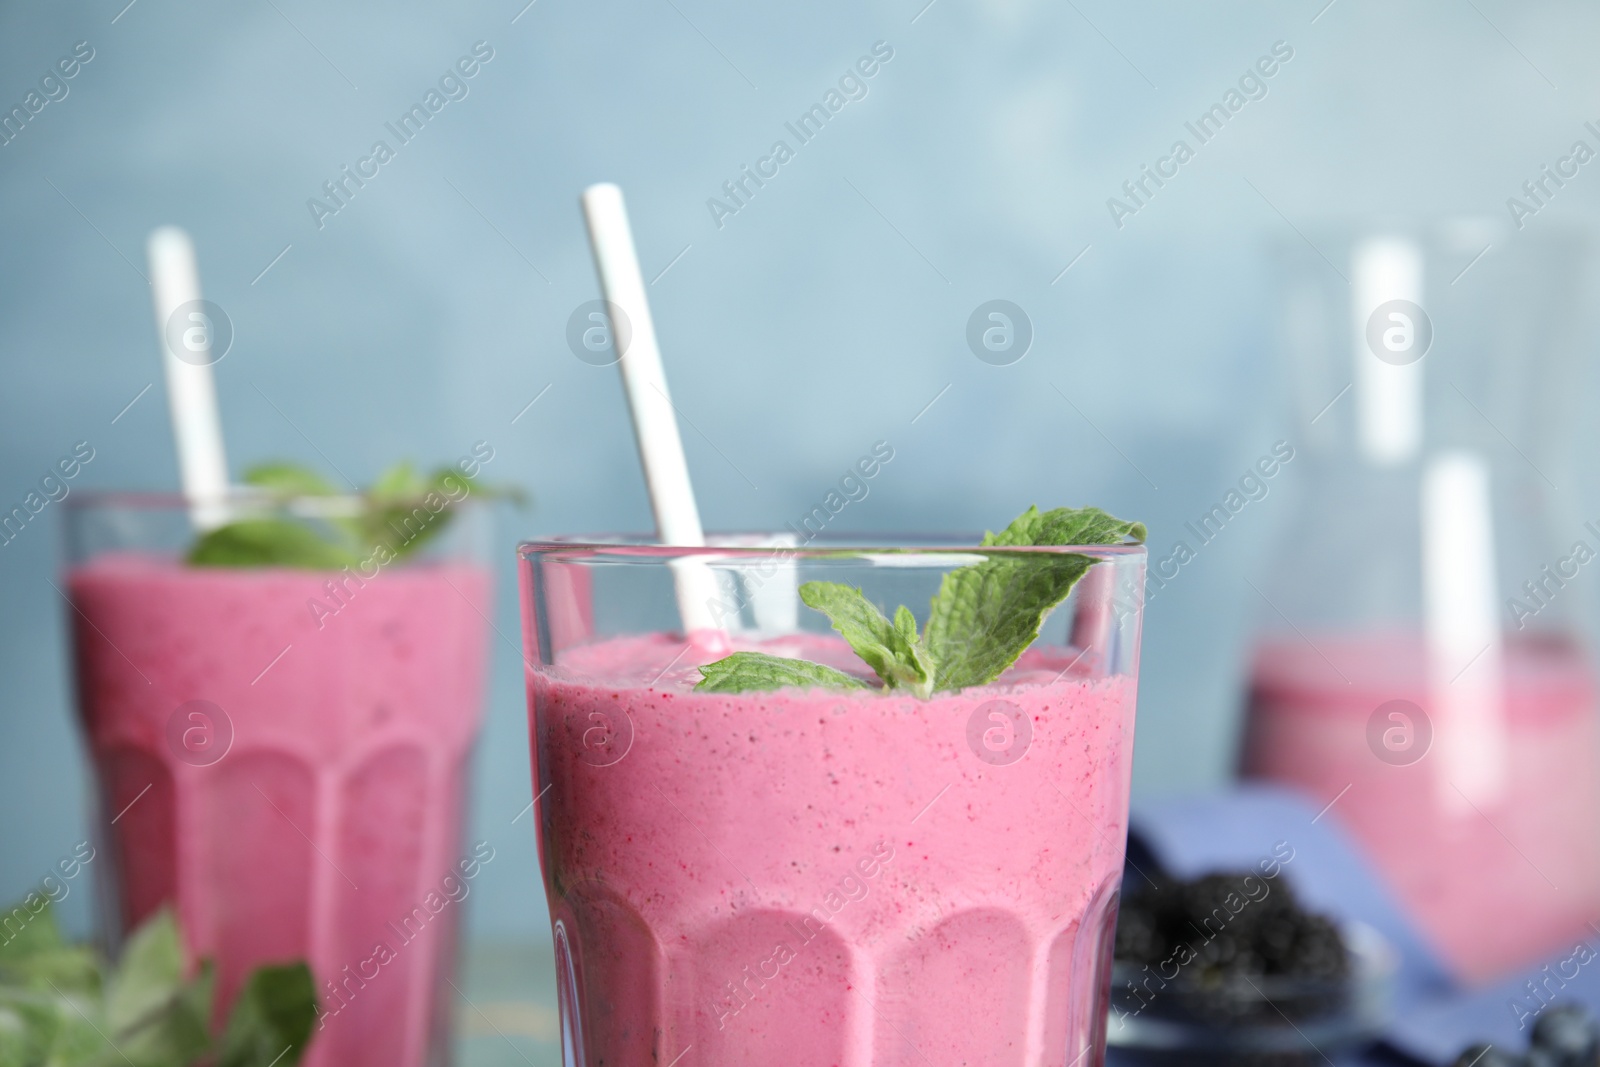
(825, 315)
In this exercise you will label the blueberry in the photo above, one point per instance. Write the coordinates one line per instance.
(1568, 1032)
(1542, 1057)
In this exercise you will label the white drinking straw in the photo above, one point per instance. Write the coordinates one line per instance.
(1388, 396)
(191, 389)
(1463, 632)
(655, 424)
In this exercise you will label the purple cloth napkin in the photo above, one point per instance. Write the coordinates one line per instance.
(1191, 836)
(1502, 1014)
(1435, 1018)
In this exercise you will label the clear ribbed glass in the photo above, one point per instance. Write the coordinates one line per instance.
(819, 877)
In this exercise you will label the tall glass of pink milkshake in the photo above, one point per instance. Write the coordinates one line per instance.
(282, 756)
(814, 875)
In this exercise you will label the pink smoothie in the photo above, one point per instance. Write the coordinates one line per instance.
(816, 878)
(1503, 886)
(331, 822)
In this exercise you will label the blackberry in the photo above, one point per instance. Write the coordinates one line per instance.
(1139, 937)
(1568, 1032)
(1231, 930)
(1224, 956)
(1219, 900)
(1318, 951)
(1275, 939)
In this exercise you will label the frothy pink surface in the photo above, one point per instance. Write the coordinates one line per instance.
(1493, 889)
(826, 879)
(336, 811)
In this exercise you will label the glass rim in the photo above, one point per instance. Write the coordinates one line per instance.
(760, 545)
(309, 505)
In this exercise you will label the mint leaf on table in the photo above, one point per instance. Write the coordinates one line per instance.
(28, 929)
(400, 513)
(44, 985)
(36, 957)
(744, 671)
(53, 1013)
(149, 974)
(891, 649)
(68, 969)
(273, 1015)
(27, 1030)
(983, 617)
(153, 1014)
(177, 1032)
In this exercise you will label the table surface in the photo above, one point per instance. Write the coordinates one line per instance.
(506, 1011)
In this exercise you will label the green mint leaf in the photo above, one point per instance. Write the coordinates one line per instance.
(149, 975)
(28, 927)
(52, 1013)
(28, 1029)
(64, 970)
(982, 619)
(891, 649)
(288, 479)
(986, 615)
(1066, 526)
(271, 1022)
(407, 510)
(744, 671)
(153, 1014)
(77, 1041)
(402, 512)
(269, 543)
(398, 482)
(176, 1034)
(44, 983)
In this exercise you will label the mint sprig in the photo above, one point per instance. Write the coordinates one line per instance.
(744, 671)
(270, 543)
(401, 513)
(983, 617)
(892, 649)
(65, 1006)
(274, 1012)
(151, 1010)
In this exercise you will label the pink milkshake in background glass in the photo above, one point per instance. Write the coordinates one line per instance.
(1495, 886)
(282, 756)
(1363, 692)
(814, 876)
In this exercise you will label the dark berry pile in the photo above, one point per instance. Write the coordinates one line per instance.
(1564, 1035)
(1226, 944)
